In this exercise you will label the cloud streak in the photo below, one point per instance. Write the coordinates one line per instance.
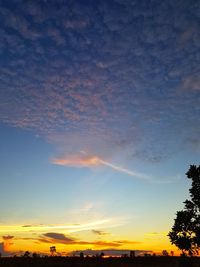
(71, 228)
(84, 160)
(124, 170)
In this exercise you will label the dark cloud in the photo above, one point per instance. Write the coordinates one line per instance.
(61, 238)
(7, 237)
(104, 72)
(31, 225)
(98, 232)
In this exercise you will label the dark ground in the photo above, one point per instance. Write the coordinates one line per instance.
(100, 262)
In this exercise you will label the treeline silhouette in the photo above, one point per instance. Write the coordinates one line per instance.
(58, 261)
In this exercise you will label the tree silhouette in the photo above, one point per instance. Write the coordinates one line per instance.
(185, 233)
(53, 250)
(26, 254)
(165, 253)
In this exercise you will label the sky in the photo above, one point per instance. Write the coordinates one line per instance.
(99, 122)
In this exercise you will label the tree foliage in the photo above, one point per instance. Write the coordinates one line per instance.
(185, 233)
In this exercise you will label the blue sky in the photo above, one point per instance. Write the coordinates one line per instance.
(99, 115)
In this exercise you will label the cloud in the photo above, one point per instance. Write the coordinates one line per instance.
(84, 160)
(77, 161)
(124, 170)
(58, 237)
(7, 237)
(27, 225)
(121, 96)
(70, 228)
(61, 238)
(99, 232)
(31, 225)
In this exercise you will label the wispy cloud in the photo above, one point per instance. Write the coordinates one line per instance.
(71, 228)
(84, 160)
(123, 170)
(31, 225)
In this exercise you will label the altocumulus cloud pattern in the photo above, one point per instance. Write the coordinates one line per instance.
(102, 75)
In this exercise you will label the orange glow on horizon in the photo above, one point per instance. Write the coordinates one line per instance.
(32, 242)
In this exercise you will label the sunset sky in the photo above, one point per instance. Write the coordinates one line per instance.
(99, 121)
